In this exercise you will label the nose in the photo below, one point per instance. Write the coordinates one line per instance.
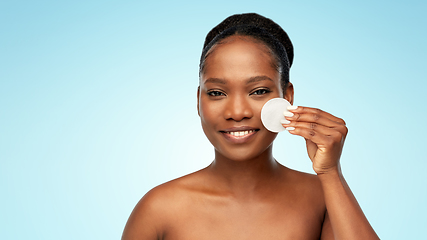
(238, 108)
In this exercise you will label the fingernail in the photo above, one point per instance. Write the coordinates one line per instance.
(284, 121)
(288, 114)
(292, 107)
(290, 128)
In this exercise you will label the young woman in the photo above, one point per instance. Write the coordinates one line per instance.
(245, 193)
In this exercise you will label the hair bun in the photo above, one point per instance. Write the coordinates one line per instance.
(258, 21)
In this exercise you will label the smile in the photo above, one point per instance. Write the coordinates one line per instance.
(240, 133)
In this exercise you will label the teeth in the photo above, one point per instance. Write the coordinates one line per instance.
(240, 133)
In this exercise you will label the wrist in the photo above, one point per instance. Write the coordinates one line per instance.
(330, 174)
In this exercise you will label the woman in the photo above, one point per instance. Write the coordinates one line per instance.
(245, 193)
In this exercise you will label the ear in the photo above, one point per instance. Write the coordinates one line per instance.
(289, 93)
(198, 97)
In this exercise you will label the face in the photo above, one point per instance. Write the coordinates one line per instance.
(238, 78)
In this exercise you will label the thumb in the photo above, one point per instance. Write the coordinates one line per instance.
(311, 148)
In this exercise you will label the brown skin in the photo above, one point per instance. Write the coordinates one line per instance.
(245, 193)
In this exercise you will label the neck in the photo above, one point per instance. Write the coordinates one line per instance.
(248, 176)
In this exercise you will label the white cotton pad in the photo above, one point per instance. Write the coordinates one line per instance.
(272, 113)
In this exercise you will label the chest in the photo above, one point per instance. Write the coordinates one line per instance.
(210, 219)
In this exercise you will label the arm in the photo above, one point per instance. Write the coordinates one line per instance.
(325, 135)
(346, 216)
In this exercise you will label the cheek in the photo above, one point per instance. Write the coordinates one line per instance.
(257, 106)
(208, 111)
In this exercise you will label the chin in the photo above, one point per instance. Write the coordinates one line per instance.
(237, 156)
(245, 153)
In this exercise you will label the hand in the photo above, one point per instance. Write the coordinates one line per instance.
(324, 135)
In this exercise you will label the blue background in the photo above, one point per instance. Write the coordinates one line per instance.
(98, 105)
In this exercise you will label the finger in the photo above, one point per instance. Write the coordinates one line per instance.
(312, 117)
(312, 126)
(321, 128)
(310, 134)
(318, 112)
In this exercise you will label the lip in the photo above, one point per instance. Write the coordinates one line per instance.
(239, 139)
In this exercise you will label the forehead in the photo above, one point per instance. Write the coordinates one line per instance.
(239, 57)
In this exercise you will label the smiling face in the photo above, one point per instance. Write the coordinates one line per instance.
(238, 78)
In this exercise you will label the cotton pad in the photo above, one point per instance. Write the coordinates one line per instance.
(272, 113)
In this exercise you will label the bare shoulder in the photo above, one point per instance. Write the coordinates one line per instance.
(152, 215)
(306, 184)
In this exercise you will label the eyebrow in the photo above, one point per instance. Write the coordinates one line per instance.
(250, 80)
(215, 80)
(258, 79)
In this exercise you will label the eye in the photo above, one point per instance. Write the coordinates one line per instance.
(215, 93)
(261, 91)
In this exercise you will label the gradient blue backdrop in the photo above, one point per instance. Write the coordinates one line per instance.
(98, 105)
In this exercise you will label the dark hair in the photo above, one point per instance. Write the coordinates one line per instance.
(259, 28)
